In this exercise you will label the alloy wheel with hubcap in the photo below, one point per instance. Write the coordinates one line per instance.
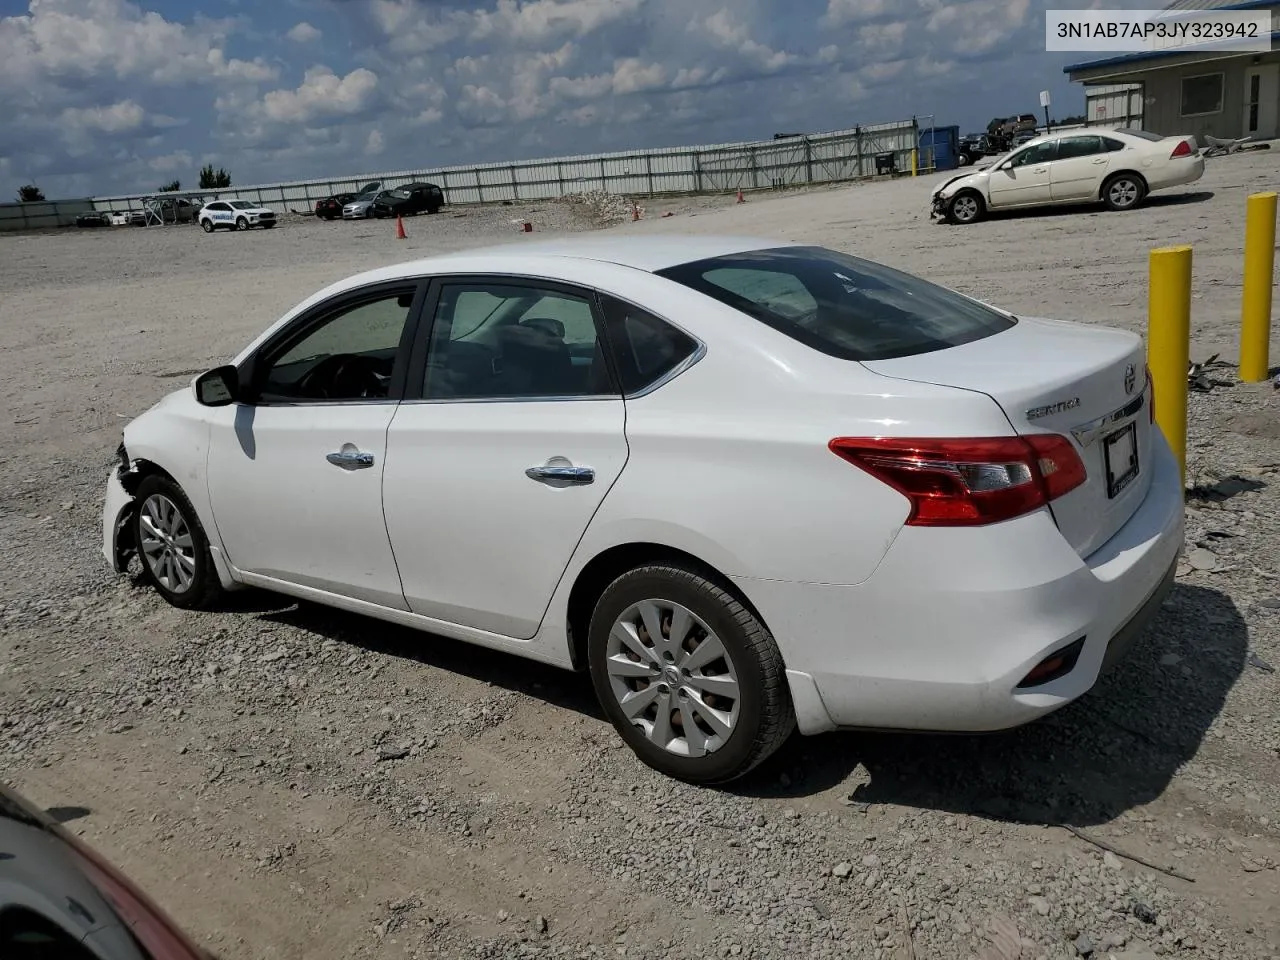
(166, 544)
(965, 208)
(206, 226)
(687, 674)
(172, 545)
(1123, 193)
(242, 224)
(673, 678)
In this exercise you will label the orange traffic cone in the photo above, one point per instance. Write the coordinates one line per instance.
(400, 234)
(635, 212)
(741, 198)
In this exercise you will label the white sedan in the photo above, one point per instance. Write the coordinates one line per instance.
(748, 485)
(1116, 167)
(235, 215)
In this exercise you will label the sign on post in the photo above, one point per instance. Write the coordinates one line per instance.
(1044, 98)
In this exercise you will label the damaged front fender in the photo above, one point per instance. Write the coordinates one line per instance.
(117, 529)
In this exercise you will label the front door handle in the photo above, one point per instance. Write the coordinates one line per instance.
(568, 475)
(349, 458)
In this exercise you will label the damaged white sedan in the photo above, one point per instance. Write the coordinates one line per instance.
(1116, 167)
(749, 486)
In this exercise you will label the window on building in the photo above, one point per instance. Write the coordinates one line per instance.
(1202, 95)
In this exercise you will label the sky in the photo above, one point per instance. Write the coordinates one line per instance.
(118, 96)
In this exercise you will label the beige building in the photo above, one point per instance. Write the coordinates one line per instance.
(1219, 94)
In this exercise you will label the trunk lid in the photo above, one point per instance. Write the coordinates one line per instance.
(1049, 376)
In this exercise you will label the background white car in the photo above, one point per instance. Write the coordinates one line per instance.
(1117, 167)
(749, 485)
(235, 215)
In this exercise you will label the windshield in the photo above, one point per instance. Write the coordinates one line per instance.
(242, 205)
(841, 305)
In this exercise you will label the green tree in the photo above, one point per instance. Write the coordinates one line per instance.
(172, 187)
(211, 179)
(30, 194)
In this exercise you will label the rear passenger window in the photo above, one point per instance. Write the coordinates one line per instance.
(646, 348)
(1111, 145)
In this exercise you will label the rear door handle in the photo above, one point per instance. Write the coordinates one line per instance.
(575, 476)
(349, 458)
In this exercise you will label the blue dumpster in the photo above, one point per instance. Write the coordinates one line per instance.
(943, 144)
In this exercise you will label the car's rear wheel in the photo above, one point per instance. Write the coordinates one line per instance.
(690, 678)
(965, 207)
(1124, 191)
(172, 545)
(964, 160)
(242, 223)
(206, 226)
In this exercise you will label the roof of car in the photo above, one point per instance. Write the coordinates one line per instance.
(649, 253)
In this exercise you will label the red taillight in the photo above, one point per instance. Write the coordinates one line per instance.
(1183, 149)
(968, 481)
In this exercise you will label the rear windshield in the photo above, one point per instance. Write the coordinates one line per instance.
(841, 305)
(1145, 135)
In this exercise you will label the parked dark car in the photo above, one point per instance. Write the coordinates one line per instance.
(973, 147)
(330, 208)
(411, 199)
(61, 900)
(94, 219)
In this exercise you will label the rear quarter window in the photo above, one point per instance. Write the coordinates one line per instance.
(841, 305)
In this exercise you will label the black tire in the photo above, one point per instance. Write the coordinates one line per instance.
(966, 207)
(766, 717)
(369, 214)
(964, 160)
(1124, 191)
(204, 589)
(267, 226)
(206, 226)
(242, 223)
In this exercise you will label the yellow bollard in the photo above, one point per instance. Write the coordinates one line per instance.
(1259, 272)
(915, 160)
(1169, 343)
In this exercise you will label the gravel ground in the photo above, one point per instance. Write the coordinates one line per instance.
(293, 782)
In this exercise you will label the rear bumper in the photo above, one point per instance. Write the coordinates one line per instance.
(943, 633)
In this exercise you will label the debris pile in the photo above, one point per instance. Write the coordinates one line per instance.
(602, 208)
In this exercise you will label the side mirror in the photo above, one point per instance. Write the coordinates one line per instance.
(218, 387)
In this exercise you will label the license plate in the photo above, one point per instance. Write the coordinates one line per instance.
(1120, 453)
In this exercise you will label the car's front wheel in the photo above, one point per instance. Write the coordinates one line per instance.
(964, 160)
(172, 545)
(965, 207)
(206, 226)
(1123, 191)
(689, 677)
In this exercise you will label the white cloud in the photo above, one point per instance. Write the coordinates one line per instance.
(116, 118)
(374, 144)
(537, 20)
(321, 92)
(171, 162)
(304, 33)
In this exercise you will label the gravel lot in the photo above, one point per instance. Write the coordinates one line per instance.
(297, 783)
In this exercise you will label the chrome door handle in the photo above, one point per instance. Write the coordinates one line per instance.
(568, 475)
(1101, 160)
(350, 459)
